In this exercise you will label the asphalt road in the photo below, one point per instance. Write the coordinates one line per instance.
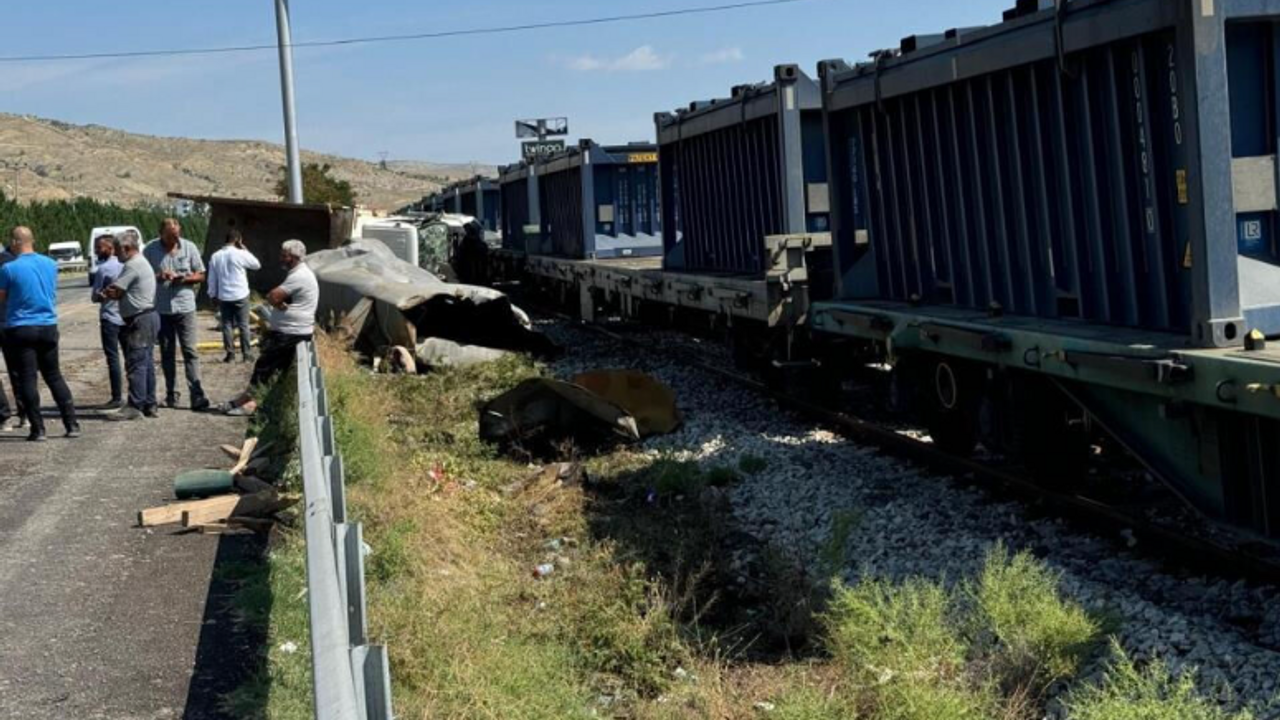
(98, 618)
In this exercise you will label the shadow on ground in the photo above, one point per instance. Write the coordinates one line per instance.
(230, 650)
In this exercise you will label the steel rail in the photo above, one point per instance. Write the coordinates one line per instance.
(1172, 547)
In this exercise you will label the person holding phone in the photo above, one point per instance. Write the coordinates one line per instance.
(179, 269)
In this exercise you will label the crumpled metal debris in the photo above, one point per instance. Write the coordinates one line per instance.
(386, 301)
(540, 415)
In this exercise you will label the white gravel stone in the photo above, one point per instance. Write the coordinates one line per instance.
(913, 523)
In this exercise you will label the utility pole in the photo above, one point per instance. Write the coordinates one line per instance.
(293, 159)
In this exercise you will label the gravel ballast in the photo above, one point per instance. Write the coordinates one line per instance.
(906, 521)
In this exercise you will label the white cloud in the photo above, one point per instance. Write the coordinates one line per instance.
(723, 56)
(642, 59)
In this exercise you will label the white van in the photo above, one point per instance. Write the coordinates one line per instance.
(68, 255)
(99, 232)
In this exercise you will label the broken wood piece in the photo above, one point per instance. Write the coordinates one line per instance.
(250, 485)
(246, 452)
(166, 514)
(259, 525)
(232, 451)
(255, 505)
(217, 529)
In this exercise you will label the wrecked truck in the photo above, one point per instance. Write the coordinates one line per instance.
(378, 300)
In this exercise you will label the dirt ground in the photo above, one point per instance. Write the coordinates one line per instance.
(98, 618)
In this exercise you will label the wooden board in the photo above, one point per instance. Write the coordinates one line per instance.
(166, 514)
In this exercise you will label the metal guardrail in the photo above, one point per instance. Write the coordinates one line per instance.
(352, 680)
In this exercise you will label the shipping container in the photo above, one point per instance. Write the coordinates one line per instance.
(737, 170)
(521, 219)
(599, 201)
(1110, 161)
(480, 198)
(444, 200)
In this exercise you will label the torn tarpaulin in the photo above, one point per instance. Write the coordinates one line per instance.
(540, 415)
(407, 304)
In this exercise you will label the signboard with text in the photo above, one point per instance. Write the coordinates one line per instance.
(540, 149)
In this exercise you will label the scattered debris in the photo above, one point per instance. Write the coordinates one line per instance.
(203, 484)
(261, 505)
(209, 505)
(441, 353)
(544, 570)
(398, 360)
(289, 648)
(652, 403)
(389, 302)
(541, 414)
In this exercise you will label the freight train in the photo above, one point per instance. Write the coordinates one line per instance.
(1055, 228)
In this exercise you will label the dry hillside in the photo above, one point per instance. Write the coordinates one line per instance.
(51, 160)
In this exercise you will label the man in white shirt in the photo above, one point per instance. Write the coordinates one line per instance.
(228, 285)
(293, 321)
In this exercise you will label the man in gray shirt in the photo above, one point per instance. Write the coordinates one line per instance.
(178, 270)
(135, 290)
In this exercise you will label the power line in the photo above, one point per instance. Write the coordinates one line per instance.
(728, 7)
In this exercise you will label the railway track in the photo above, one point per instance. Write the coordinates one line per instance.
(1173, 547)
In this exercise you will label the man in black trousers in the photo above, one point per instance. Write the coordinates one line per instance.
(29, 287)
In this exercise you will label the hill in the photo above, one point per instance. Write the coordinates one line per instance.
(51, 160)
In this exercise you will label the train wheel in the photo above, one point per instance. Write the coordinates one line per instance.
(949, 407)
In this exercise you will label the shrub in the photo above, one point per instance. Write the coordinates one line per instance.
(878, 631)
(1152, 693)
(1040, 637)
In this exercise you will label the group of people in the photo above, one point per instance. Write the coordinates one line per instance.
(146, 296)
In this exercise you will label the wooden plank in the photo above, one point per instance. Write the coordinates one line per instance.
(246, 452)
(166, 514)
(232, 451)
(256, 505)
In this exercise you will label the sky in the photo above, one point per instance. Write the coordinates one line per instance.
(444, 100)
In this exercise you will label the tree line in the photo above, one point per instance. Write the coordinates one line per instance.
(72, 220)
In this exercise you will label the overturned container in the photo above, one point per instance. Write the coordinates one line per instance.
(1112, 161)
(736, 171)
(599, 201)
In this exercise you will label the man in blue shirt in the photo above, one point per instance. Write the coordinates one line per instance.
(29, 287)
(109, 320)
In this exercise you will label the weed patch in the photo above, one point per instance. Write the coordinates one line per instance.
(504, 590)
(1151, 693)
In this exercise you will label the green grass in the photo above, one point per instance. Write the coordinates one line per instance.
(1038, 637)
(274, 597)
(879, 631)
(1151, 693)
(457, 530)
